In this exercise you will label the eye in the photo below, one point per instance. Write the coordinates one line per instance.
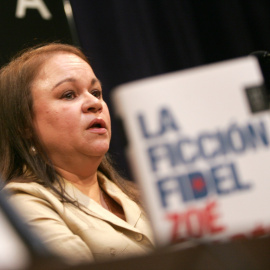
(69, 95)
(96, 93)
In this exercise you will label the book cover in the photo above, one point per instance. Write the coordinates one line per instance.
(198, 144)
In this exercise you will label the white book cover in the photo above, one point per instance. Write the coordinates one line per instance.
(198, 144)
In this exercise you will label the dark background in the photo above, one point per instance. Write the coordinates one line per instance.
(19, 33)
(127, 40)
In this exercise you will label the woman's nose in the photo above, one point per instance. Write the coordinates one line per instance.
(91, 104)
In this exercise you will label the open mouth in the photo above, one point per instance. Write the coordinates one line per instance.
(96, 124)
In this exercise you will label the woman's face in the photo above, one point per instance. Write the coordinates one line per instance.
(70, 116)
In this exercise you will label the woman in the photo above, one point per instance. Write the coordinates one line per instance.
(55, 133)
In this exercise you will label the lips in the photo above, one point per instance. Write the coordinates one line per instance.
(97, 126)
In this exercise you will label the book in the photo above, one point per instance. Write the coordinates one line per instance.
(198, 145)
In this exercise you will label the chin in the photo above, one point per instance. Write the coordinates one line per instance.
(101, 150)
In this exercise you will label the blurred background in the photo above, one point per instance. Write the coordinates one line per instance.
(129, 40)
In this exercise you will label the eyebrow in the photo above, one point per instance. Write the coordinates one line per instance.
(93, 82)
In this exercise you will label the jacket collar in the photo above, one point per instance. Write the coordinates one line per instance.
(131, 209)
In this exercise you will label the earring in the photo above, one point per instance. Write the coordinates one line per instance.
(32, 151)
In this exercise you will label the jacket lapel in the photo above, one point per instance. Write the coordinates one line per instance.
(90, 207)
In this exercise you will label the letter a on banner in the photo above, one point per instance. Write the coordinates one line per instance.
(22, 5)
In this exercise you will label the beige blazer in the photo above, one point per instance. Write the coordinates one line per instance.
(92, 233)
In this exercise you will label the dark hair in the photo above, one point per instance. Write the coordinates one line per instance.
(17, 134)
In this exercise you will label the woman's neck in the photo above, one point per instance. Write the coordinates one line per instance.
(89, 185)
(86, 182)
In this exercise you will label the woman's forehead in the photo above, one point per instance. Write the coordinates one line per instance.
(63, 68)
(63, 63)
(64, 57)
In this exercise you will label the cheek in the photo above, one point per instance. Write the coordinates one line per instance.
(46, 116)
(56, 119)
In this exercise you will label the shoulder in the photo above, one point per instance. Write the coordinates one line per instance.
(30, 195)
(46, 215)
(27, 189)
